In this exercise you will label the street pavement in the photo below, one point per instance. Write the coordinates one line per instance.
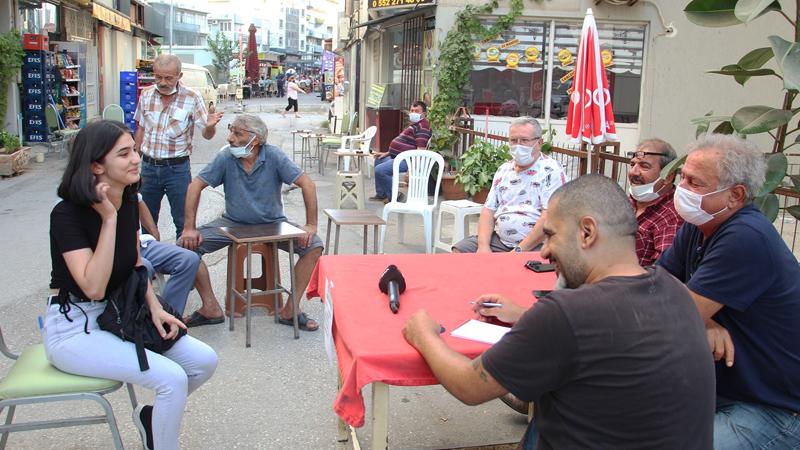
(276, 394)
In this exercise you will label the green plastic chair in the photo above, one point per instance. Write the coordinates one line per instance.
(114, 112)
(334, 141)
(32, 379)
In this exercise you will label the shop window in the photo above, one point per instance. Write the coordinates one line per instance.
(506, 89)
(40, 20)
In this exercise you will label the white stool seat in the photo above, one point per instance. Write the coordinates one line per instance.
(461, 210)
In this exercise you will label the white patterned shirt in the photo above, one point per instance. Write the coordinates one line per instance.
(168, 131)
(518, 199)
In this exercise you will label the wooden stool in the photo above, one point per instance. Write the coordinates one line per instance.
(352, 217)
(262, 283)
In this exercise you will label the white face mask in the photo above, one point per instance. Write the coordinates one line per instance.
(644, 192)
(174, 90)
(522, 154)
(688, 205)
(414, 117)
(240, 152)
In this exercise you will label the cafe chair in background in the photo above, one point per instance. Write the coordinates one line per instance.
(421, 164)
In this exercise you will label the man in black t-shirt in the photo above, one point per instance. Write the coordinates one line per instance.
(616, 360)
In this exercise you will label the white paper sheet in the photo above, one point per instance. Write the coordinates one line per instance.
(475, 330)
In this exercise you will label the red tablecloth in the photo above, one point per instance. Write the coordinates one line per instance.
(369, 342)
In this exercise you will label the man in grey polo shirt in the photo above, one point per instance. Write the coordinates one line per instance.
(252, 172)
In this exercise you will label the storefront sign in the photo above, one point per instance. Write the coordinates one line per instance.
(487, 40)
(111, 17)
(567, 77)
(78, 25)
(492, 54)
(381, 4)
(328, 59)
(375, 95)
(476, 51)
(510, 43)
(565, 56)
(512, 60)
(532, 54)
(608, 58)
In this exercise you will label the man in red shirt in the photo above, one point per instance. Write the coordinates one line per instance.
(651, 198)
(415, 136)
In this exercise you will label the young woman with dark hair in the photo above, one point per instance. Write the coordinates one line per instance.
(94, 247)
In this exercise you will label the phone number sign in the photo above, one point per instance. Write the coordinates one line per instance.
(379, 4)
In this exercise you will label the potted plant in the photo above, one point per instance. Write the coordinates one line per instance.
(478, 166)
(13, 157)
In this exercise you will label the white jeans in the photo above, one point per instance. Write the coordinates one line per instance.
(173, 375)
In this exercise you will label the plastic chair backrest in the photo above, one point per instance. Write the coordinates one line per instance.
(114, 112)
(366, 139)
(353, 124)
(51, 116)
(232, 89)
(345, 124)
(420, 165)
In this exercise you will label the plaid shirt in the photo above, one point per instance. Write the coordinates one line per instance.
(657, 227)
(168, 130)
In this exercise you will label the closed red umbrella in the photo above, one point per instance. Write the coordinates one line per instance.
(590, 117)
(251, 68)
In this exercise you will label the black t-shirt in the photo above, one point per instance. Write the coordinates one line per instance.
(74, 227)
(622, 363)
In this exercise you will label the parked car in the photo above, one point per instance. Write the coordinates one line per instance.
(199, 79)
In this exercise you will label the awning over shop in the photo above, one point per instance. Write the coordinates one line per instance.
(383, 19)
(111, 17)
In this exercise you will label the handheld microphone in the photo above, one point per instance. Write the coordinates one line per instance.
(393, 284)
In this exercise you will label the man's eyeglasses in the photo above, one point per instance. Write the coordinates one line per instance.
(524, 141)
(233, 129)
(641, 154)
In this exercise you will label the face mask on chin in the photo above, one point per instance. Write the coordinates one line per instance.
(644, 192)
(174, 90)
(240, 152)
(523, 155)
(688, 205)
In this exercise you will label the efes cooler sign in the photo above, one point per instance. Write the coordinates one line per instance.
(380, 4)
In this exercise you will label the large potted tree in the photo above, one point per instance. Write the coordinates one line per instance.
(478, 166)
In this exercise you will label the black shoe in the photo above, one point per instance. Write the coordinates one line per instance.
(377, 198)
(143, 419)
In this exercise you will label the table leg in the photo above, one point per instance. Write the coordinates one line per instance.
(366, 228)
(232, 300)
(292, 297)
(276, 270)
(294, 152)
(341, 428)
(328, 237)
(375, 238)
(336, 241)
(380, 416)
(249, 294)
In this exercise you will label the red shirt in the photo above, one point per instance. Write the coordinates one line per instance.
(657, 227)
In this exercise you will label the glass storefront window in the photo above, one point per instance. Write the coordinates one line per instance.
(505, 89)
(40, 20)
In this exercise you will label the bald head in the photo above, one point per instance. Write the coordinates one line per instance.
(599, 197)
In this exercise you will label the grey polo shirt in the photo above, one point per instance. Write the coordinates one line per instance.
(253, 198)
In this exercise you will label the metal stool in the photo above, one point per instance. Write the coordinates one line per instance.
(461, 210)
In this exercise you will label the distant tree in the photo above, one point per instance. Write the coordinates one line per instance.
(225, 52)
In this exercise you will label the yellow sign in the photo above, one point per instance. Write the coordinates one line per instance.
(512, 60)
(510, 43)
(111, 17)
(568, 76)
(531, 54)
(493, 54)
(490, 39)
(476, 51)
(565, 56)
(375, 4)
(375, 95)
(608, 57)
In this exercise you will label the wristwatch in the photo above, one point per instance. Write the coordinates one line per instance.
(517, 249)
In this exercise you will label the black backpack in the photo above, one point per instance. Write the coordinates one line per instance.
(128, 317)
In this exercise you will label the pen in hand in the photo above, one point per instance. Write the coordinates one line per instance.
(488, 304)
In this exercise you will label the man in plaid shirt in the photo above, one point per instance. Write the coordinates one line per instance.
(166, 116)
(651, 198)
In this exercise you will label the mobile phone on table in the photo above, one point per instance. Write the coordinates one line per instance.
(539, 267)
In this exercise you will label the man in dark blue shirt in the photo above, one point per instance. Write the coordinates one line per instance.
(746, 284)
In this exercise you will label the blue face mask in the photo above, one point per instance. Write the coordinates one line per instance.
(414, 117)
(240, 152)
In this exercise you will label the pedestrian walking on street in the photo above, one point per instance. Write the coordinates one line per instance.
(94, 248)
(280, 80)
(292, 89)
(166, 117)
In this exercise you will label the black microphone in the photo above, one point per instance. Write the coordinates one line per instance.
(393, 284)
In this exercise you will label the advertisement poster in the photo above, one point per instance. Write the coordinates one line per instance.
(328, 62)
(338, 72)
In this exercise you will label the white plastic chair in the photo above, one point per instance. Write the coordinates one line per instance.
(357, 146)
(114, 112)
(420, 165)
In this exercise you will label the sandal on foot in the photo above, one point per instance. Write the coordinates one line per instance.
(302, 322)
(197, 319)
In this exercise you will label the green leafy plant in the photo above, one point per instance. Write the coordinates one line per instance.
(548, 135)
(9, 142)
(224, 52)
(454, 67)
(758, 119)
(479, 164)
(11, 55)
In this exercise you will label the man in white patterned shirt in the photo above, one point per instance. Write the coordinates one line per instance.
(514, 212)
(166, 116)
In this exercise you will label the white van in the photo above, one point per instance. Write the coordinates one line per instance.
(199, 79)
